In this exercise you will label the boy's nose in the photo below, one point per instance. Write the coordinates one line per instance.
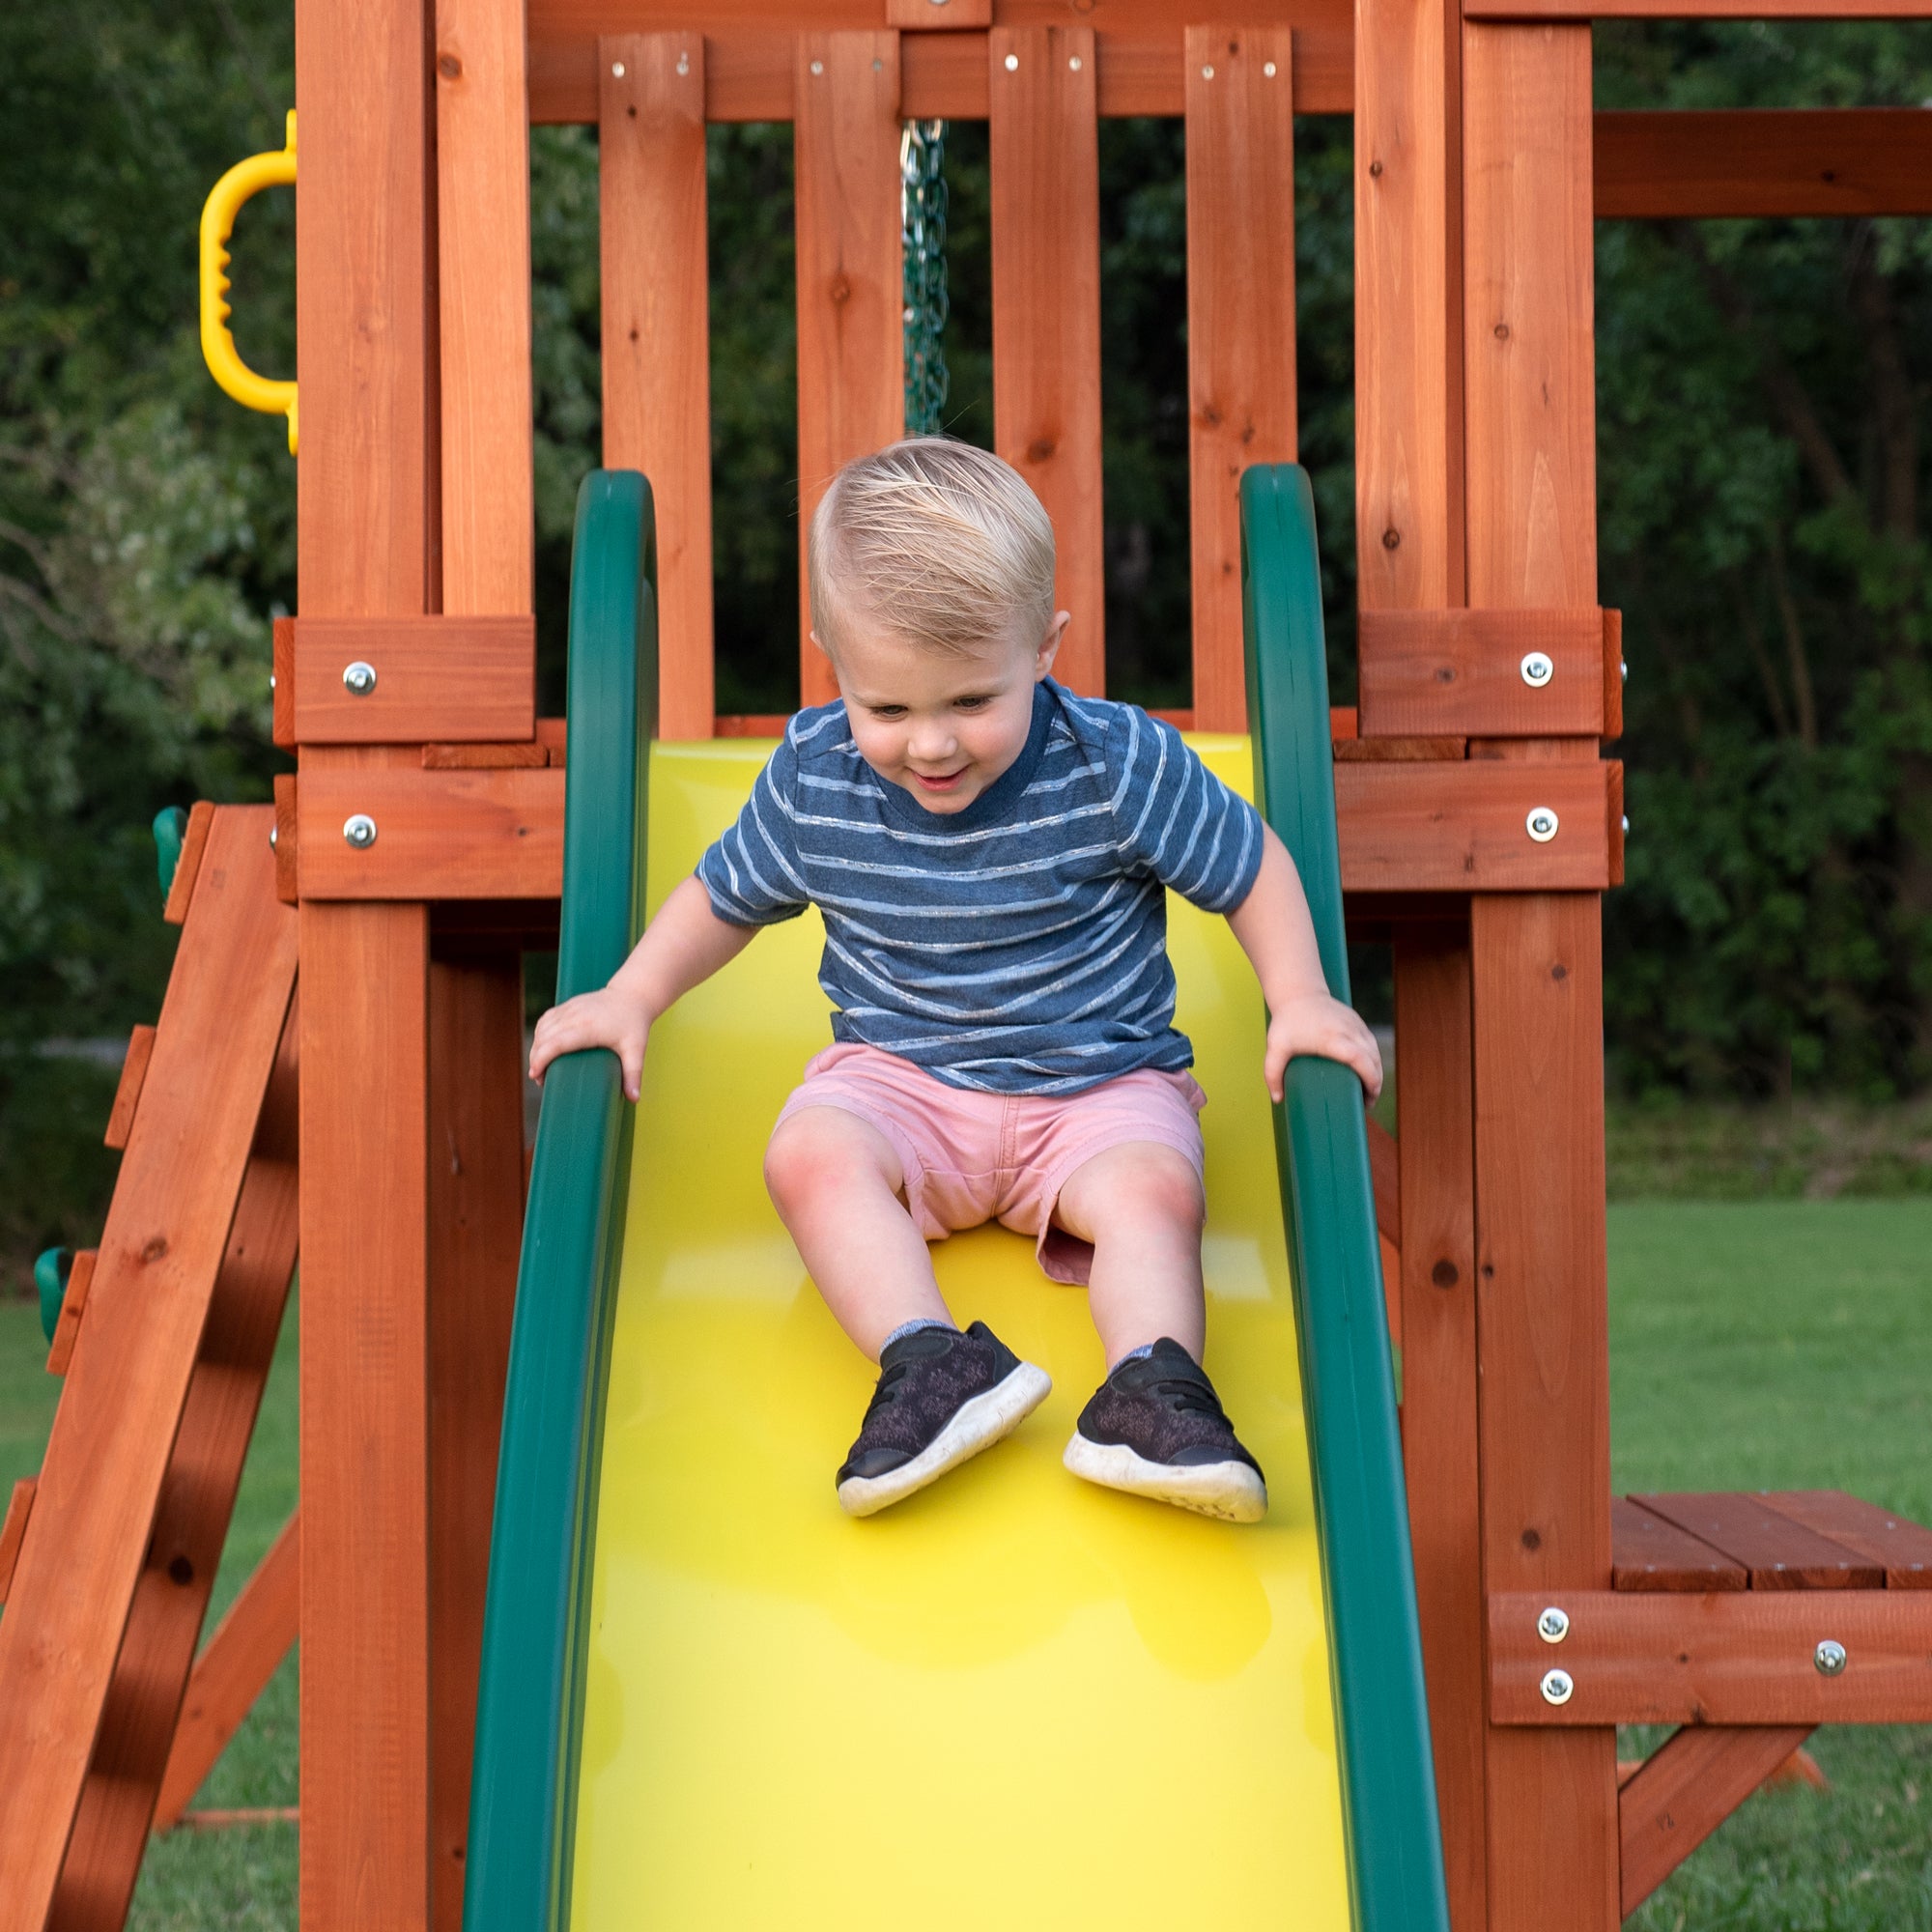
(931, 744)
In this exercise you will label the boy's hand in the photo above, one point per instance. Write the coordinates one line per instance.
(1320, 1025)
(604, 1018)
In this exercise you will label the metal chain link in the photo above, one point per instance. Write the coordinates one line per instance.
(923, 232)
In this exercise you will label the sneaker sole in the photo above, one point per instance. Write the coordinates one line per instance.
(1230, 1491)
(976, 1425)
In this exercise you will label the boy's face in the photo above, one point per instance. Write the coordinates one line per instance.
(941, 726)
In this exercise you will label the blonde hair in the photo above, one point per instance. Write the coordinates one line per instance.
(939, 541)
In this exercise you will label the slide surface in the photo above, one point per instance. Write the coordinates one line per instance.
(710, 1701)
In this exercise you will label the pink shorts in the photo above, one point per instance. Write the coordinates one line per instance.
(971, 1158)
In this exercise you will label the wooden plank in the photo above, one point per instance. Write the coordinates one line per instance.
(102, 1481)
(74, 1306)
(1720, 1656)
(232, 1670)
(1385, 1171)
(282, 684)
(439, 834)
(1685, 1790)
(851, 331)
(1435, 1105)
(127, 1092)
(187, 867)
(1538, 12)
(1462, 671)
(1649, 1553)
(657, 335)
(529, 754)
(1399, 751)
(939, 16)
(1045, 159)
(1880, 1536)
(282, 837)
(1779, 1553)
(197, 1497)
(483, 312)
(1241, 324)
(476, 1229)
(14, 1530)
(452, 678)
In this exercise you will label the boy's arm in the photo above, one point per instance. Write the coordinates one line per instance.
(1277, 934)
(685, 944)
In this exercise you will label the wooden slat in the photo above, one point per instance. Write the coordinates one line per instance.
(451, 678)
(1434, 1103)
(232, 1670)
(127, 1090)
(1399, 751)
(1649, 1553)
(1878, 1535)
(475, 1227)
(14, 1530)
(528, 754)
(1539, 11)
(1461, 671)
(181, 890)
(1685, 1790)
(1241, 324)
(939, 16)
(657, 335)
(282, 684)
(284, 840)
(74, 1307)
(1723, 1657)
(1045, 162)
(1385, 1171)
(168, 1227)
(1779, 1553)
(192, 1519)
(851, 331)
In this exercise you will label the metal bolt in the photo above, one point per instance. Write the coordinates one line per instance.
(1554, 1625)
(271, 680)
(1558, 1687)
(1537, 669)
(271, 838)
(617, 69)
(1012, 63)
(1830, 1658)
(1541, 824)
(1626, 824)
(818, 67)
(684, 63)
(1623, 670)
(359, 830)
(1267, 70)
(1073, 62)
(359, 677)
(1207, 73)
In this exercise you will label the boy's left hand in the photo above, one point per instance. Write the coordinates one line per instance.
(1318, 1024)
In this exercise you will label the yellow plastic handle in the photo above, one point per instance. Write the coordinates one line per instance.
(217, 223)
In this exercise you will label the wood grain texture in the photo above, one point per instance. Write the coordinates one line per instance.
(1045, 160)
(1240, 324)
(284, 839)
(1779, 1553)
(1460, 672)
(233, 1669)
(1685, 1790)
(483, 309)
(197, 1497)
(657, 335)
(73, 1309)
(128, 1089)
(1882, 1536)
(1724, 1657)
(187, 867)
(1386, 1174)
(1537, 11)
(1435, 1107)
(102, 1483)
(851, 331)
(14, 1530)
(939, 16)
(1649, 1553)
(282, 684)
(476, 1229)
(457, 677)
(365, 1771)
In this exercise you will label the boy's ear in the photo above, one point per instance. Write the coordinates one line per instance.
(1049, 645)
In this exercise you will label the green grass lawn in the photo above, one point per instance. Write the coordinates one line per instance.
(1783, 1343)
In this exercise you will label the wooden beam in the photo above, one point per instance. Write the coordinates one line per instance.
(1386, 1174)
(127, 1090)
(1489, 673)
(1241, 324)
(1725, 1657)
(459, 677)
(1045, 159)
(657, 335)
(1685, 1790)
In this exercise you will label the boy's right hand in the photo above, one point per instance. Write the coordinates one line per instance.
(604, 1018)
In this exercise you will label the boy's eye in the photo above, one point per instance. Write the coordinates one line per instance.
(971, 703)
(887, 710)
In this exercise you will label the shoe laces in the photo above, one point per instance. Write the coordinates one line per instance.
(887, 1391)
(1185, 1396)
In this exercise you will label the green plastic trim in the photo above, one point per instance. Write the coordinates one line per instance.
(523, 1791)
(170, 829)
(1381, 1715)
(51, 1268)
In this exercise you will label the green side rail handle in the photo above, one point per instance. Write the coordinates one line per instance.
(170, 831)
(51, 1268)
(530, 1693)
(1392, 1832)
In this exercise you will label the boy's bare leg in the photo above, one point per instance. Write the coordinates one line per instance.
(1140, 1204)
(837, 1184)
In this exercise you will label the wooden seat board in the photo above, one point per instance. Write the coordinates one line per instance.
(1649, 1553)
(1879, 1535)
(1779, 1553)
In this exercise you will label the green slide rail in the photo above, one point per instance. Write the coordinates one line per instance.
(1389, 1819)
(522, 1796)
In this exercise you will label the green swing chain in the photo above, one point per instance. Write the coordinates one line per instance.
(923, 233)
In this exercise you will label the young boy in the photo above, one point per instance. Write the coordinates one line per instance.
(991, 855)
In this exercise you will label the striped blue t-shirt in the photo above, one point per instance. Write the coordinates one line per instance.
(1018, 946)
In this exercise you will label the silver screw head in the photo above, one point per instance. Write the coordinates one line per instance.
(617, 69)
(1558, 1687)
(1541, 824)
(1537, 669)
(1267, 70)
(1626, 824)
(1623, 670)
(359, 830)
(1830, 1658)
(359, 677)
(1012, 63)
(271, 838)
(1554, 1625)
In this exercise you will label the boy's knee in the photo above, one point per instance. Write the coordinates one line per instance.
(1148, 1180)
(809, 1157)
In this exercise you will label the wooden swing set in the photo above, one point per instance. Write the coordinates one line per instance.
(375, 1124)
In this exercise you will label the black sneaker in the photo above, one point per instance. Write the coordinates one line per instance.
(942, 1397)
(1154, 1428)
